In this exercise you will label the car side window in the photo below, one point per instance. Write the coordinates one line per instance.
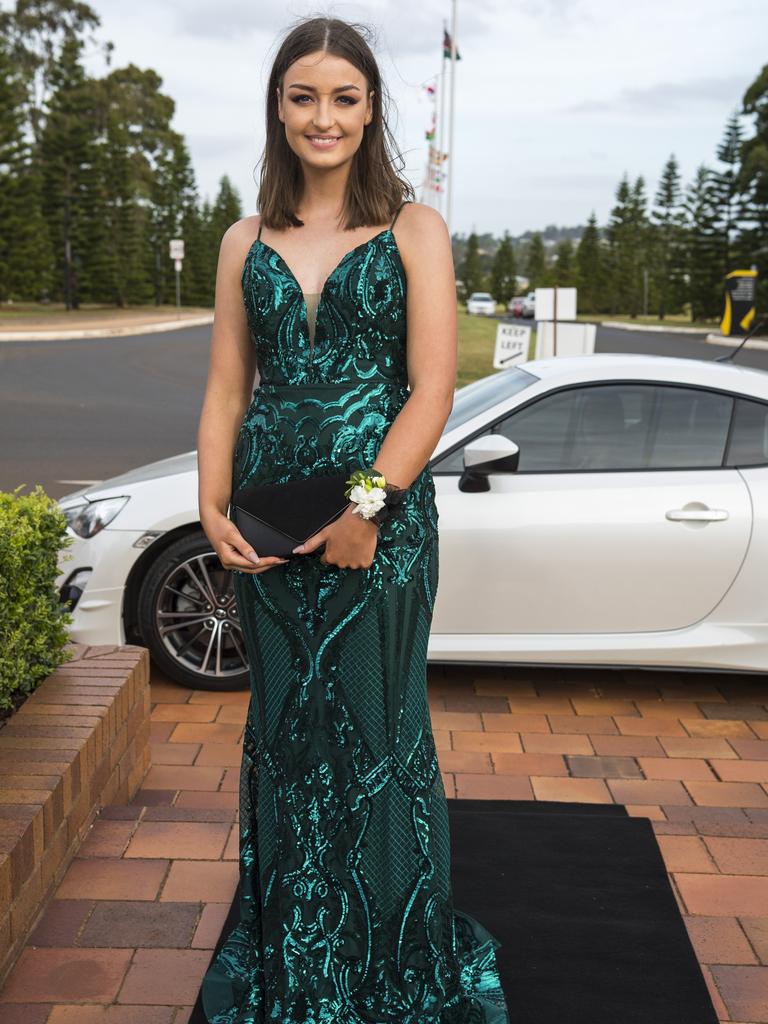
(617, 427)
(749, 437)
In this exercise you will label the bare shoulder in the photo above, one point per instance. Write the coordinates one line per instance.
(235, 245)
(422, 235)
(241, 233)
(419, 219)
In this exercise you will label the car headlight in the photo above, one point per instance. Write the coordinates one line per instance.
(88, 518)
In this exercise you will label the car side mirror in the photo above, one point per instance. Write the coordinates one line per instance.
(492, 453)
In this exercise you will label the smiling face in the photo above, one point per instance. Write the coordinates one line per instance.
(324, 97)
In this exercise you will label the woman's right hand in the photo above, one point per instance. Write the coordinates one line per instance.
(233, 549)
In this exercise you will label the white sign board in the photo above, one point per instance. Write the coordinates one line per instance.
(545, 304)
(572, 339)
(177, 248)
(512, 341)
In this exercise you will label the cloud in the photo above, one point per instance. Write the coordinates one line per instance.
(397, 26)
(567, 183)
(665, 96)
(560, 9)
(214, 144)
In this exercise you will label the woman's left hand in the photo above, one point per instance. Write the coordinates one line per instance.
(350, 541)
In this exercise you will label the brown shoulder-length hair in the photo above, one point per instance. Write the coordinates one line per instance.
(374, 189)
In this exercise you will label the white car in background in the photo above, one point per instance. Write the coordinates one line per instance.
(481, 304)
(607, 510)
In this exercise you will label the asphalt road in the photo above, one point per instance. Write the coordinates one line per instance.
(73, 412)
(688, 346)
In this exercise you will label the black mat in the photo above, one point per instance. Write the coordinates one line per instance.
(579, 897)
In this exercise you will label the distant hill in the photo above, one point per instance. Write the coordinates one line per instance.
(551, 235)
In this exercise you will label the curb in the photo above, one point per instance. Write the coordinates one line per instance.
(622, 326)
(719, 339)
(107, 332)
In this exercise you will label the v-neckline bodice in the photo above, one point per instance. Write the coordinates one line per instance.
(339, 265)
(321, 295)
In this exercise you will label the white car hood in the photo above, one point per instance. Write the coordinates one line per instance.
(186, 462)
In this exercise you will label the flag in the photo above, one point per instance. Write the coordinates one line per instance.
(447, 46)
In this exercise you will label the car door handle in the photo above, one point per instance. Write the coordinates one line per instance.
(701, 514)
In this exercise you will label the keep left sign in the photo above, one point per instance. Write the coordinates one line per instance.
(512, 341)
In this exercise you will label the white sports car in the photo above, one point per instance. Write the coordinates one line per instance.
(593, 510)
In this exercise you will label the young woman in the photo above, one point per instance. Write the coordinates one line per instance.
(342, 295)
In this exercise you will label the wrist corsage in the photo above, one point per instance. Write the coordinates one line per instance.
(372, 495)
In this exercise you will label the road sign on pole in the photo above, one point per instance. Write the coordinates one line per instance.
(176, 252)
(512, 344)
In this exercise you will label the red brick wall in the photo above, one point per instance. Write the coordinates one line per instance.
(78, 743)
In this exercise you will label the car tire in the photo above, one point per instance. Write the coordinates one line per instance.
(188, 619)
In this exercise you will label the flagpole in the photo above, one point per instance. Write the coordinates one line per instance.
(441, 122)
(451, 150)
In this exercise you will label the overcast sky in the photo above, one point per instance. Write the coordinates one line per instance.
(555, 99)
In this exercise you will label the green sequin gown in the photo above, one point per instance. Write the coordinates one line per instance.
(346, 911)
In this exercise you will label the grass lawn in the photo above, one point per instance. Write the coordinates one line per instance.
(477, 337)
(28, 315)
(673, 320)
(18, 311)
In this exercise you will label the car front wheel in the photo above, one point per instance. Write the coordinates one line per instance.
(188, 618)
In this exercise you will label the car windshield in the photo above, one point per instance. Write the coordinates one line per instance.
(480, 295)
(484, 393)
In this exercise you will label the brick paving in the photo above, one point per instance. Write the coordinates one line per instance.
(132, 925)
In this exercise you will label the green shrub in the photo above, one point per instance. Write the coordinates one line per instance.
(32, 621)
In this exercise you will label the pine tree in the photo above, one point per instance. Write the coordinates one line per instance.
(210, 241)
(753, 183)
(589, 269)
(703, 252)
(164, 224)
(536, 262)
(173, 193)
(564, 270)
(471, 271)
(197, 286)
(213, 222)
(640, 242)
(725, 186)
(24, 256)
(37, 32)
(628, 241)
(140, 142)
(67, 155)
(226, 210)
(504, 271)
(619, 264)
(668, 241)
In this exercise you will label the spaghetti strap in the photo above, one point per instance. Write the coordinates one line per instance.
(397, 213)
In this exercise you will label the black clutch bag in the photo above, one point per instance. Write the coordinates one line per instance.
(275, 518)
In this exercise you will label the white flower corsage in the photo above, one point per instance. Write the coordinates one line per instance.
(367, 502)
(371, 494)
